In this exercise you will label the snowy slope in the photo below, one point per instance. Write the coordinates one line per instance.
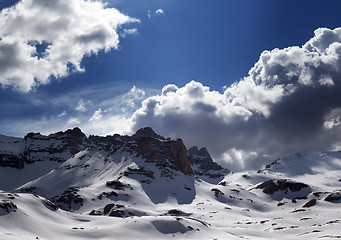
(113, 189)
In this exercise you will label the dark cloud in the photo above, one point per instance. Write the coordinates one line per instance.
(290, 102)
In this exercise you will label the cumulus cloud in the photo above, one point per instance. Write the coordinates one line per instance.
(44, 39)
(290, 101)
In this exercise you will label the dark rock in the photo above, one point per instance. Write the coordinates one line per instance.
(68, 199)
(8, 206)
(117, 213)
(177, 212)
(272, 186)
(147, 132)
(217, 192)
(95, 213)
(108, 208)
(8, 160)
(224, 183)
(116, 184)
(334, 197)
(139, 171)
(311, 203)
(50, 205)
(205, 163)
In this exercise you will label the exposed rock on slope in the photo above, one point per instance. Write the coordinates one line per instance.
(281, 188)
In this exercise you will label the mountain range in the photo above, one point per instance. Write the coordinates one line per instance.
(71, 186)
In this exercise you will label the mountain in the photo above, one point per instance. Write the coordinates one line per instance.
(67, 185)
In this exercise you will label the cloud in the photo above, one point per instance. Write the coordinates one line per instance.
(289, 102)
(97, 116)
(41, 40)
(62, 114)
(73, 121)
(130, 31)
(81, 106)
(159, 12)
(110, 108)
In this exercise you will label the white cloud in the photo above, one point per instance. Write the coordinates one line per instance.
(97, 116)
(62, 114)
(289, 102)
(134, 96)
(159, 12)
(43, 39)
(81, 106)
(73, 121)
(130, 31)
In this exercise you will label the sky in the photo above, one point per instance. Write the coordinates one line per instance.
(250, 80)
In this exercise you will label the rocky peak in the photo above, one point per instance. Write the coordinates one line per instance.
(170, 153)
(56, 147)
(203, 163)
(147, 132)
(203, 152)
(76, 140)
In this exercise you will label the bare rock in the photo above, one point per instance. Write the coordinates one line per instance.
(203, 163)
(311, 203)
(334, 197)
(272, 186)
(179, 154)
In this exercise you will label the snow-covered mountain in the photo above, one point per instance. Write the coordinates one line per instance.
(70, 186)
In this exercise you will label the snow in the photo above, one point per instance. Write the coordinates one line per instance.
(161, 203)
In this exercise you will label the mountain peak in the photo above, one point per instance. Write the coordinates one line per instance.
(147, 132)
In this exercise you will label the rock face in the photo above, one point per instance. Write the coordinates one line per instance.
(8, 160)
(272, 186)
(63, 145)
(203, 163)
(179, 153)
(37, 147)
(284, 188)
(167, 153)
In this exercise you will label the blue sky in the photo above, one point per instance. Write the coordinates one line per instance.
(215, 43)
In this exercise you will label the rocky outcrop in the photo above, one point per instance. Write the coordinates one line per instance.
(284, 188)
(334, 197)
(55, 147)
(179, 153)
(203, 163)
(272, 186)
(166, 153)
(8, 160)
(63, 145)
